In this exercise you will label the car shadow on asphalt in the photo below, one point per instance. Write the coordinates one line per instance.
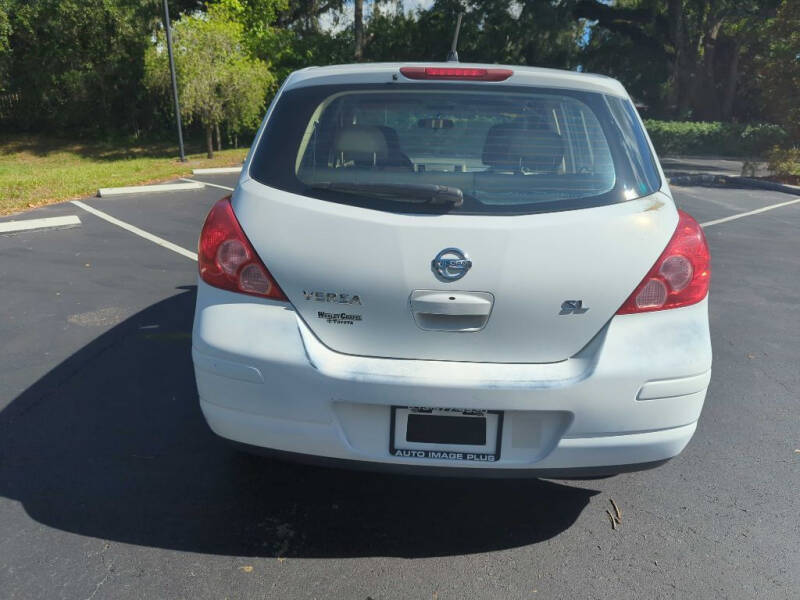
(112, 444)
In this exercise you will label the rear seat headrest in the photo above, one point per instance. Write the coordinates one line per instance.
(513, 147)
(361, 143)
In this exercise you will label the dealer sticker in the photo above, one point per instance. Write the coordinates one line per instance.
(341, 318)
(445, 455)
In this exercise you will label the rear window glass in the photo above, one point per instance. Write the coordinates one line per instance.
(507, 150)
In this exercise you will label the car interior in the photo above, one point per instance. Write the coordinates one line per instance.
(498, 154)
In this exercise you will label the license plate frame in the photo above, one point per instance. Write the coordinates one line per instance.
(399, 447)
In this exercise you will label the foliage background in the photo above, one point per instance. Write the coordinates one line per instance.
(220, 82)
(686, 138)
(90, 68)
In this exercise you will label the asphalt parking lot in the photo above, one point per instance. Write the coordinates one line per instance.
(112, 486)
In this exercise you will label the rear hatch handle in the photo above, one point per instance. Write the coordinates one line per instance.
(437, 310)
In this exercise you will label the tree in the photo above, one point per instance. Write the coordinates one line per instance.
(711, 39)
(780, 69)
(501, 31)
(286, 34)
(218, 81)
(5, 29)
(358, 29)
(629, 41)
(685, 58)
(75, 64)
(257, 19)
(5, 43)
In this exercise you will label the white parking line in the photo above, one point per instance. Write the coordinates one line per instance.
(222, 187)
(135, 230)
(748, 213)
(47, 223)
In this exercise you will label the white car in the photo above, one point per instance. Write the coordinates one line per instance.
(453, 268)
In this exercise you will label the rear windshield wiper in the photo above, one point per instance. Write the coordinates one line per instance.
(416, 193)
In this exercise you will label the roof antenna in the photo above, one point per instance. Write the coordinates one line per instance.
(452, 56)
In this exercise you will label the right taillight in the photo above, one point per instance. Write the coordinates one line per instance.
(679, 277)
(227, 259)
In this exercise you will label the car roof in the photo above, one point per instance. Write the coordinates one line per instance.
(383, 72)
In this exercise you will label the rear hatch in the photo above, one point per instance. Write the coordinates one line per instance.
(555, 221)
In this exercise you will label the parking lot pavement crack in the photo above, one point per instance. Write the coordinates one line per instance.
(98, 586)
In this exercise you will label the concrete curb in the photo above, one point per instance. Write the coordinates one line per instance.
(216, 170)
(747, 182)
(39, 224)
(147, 189)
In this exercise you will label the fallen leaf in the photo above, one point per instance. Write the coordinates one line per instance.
(616, 510)
(246, 569)
(751, 356)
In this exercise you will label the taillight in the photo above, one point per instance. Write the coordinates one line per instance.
(680, 276)
(456, 73)
(226, 257)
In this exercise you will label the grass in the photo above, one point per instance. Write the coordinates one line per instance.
(35, 170)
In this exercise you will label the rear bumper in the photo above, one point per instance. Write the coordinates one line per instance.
(572, 457)
(631, 397)
(453, 471)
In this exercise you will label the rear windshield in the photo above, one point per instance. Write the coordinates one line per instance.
(504, 149)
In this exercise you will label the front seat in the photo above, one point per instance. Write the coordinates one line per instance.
(397, 157)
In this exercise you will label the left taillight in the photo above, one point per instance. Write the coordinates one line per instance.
(680, 276)
(227, 260)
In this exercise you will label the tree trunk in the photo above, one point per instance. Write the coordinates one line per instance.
(358, 27)
(209, 142)
(709, 44)
(683, 65)
(705, 99)
(689, 75)
(730, 85)
(219, 138)
(675, 12)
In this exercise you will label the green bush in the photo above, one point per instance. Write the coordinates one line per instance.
(720, 139)
(784, 162)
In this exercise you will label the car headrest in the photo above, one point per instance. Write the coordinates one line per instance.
(362, 144)
(513, 147)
